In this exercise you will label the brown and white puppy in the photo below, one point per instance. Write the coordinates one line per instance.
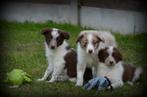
(112, 66)
(61, 59)
(88, 44)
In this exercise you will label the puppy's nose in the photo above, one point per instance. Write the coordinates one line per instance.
(90, 51)
(111, 62)
(52, 47)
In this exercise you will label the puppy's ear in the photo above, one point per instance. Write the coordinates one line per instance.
(102, 40)
(46, 31)
(117, 55)
(79, 38)
(102, 54)
(65, 35)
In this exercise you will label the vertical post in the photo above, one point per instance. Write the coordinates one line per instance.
(75, 6)
(79, 12)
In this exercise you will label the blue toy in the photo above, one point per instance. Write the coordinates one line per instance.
(100, 83)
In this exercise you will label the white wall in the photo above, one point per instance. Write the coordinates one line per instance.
(14, 11)
(125, 22)
(115, 20)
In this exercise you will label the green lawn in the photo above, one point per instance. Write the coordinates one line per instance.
(22, 47)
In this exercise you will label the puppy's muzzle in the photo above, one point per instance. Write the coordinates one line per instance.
(90, 51)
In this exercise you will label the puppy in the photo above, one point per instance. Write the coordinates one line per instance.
(61, 59)
(88, 44)
(112, 66)
(108, 39)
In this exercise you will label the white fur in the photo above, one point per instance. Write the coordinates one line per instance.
(90, 45)
(90, 60)
(110, 57)
(106, 36)
(114, 73)
(56, 62)
(137, 74)
(84, 60)
(55, 33)
(55, 58)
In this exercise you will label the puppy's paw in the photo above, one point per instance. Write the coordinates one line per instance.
(78, 84)
(49, 81)
(39, 80)
(73, 80)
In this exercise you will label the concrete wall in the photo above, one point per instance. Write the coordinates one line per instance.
(125, 22)
(14, 11)
(115, 20)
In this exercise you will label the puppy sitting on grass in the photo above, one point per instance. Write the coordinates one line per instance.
(61, 58)
(88, 44)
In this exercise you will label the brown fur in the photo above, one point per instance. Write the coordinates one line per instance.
(129, 71)
(79, 38)
(117, 55)
(56, 42)
(71, 65)
(65, 35)
(71, 61)
(103, 54)
(84, 41)
(46, 31)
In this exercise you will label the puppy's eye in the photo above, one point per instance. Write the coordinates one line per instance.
(114, 54)
(58, 39)
(85, 41)
(105, 55)
(49, 37)
(95, 42)
(85, 44)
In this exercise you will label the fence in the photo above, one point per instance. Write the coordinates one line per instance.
(102, 18)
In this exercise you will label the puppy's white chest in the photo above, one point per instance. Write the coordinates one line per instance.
(114, 73)
(90, 61)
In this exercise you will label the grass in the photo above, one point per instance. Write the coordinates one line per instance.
(22, 47)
